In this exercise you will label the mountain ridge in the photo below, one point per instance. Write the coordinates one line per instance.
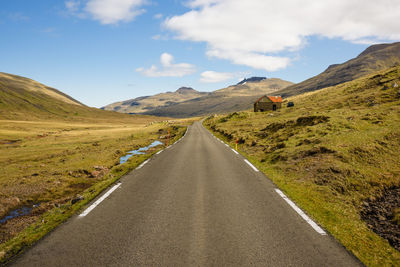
(23, 98)
(188, 102)
(374, 58)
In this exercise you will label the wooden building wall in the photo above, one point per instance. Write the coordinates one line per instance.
(266, 106)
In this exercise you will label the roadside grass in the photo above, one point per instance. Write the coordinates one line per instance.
(57, 167)
(333, 153)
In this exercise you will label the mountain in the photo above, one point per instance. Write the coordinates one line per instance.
(148, 103)
(232, 98)
(374, 58)
(15, 82)
(252, 79)
(24, 99)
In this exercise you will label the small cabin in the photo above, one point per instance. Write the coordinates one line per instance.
(267, 103)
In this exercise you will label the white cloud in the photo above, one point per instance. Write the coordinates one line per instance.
(72, 6)
(107, 11)
(210, 76)
(169, 68)
(114, 11)
(158, 16)
(255, 33)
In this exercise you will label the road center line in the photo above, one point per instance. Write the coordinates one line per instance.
(235, 151)
(97, 202)
(251, 165)
(301, 213)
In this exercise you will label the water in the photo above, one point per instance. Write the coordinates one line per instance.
(139, 151)
(16, 213)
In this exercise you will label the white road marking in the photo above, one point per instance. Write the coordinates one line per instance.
(159, 152)
(301, 213)
(141, 165)
(97, 202)
(235, 151)
(227, 145)
(251, 165)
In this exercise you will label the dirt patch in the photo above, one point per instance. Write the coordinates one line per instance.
(311, 120)
(379, 214)
(300, 122)
(315, 151)
(8, 142)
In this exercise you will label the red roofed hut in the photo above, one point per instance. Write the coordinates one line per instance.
(265, 103)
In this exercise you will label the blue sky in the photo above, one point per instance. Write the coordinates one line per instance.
(102, 51)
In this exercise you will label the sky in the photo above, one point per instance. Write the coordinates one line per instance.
(103, 51)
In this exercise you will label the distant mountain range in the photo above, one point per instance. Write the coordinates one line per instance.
(374, 58)
(187, 102)
(242, 95)
(147, 103)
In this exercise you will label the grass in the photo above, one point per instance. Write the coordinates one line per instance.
(334, 150)
(52, 162)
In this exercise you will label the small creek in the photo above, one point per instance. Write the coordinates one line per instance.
(139, 151)
(26, 210)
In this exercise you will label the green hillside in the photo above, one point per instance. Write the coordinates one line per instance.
(374, 58)
(25, 99)
(336, 153)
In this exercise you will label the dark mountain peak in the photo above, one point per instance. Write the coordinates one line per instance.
(377, 47)
(252, 79)
(185, 90)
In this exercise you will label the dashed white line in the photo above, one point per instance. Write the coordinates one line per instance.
(159, 152)
(318, 229)
(251, 165)
(235, 151)
(97, 202)
(227, 145)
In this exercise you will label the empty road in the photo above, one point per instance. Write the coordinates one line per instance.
(197, 203)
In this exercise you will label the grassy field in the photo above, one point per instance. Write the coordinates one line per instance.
(335, 153)
(54, 167)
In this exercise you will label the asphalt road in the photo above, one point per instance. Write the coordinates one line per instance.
(197, 203)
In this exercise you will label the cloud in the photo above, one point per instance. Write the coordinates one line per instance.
(158, 37)
(261, 34)
(158, 16)
(169, 68)
(107, 11)
(72, 6)
(210, 76)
